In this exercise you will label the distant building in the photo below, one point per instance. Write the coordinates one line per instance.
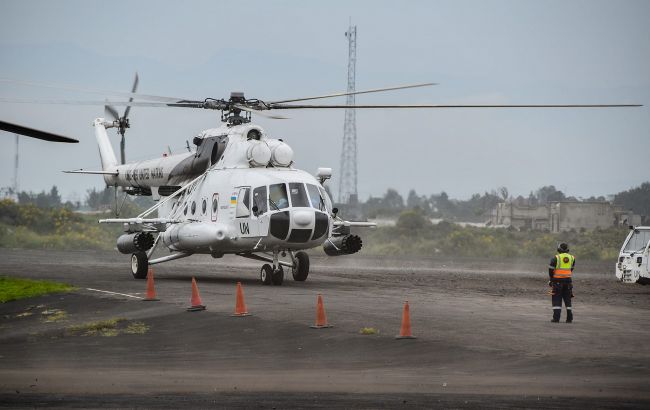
(562, 216)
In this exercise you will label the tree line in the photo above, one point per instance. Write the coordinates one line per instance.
(479, 206)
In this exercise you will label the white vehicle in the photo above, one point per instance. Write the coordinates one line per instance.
(634, 260)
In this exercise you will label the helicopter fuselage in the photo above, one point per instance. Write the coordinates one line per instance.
(238, 193)
(239, 210)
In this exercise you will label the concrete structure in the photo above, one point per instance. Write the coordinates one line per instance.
(562, 216)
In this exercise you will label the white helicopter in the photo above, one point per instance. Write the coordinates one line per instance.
(237, 193)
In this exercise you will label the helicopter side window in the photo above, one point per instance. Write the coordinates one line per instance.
(328, 201)
(243, 202)
(204, 206)
(193, 207)
(278, 196)
(259, 199)
(298, 195)
(316, 200)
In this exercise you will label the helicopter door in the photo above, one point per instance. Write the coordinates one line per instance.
(246, 226)
(260, 200)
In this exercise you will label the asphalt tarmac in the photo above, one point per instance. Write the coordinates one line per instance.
(484, 337)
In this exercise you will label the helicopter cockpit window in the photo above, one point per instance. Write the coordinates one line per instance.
(298, 195)
(316, 200)
(259, 199)
(328, 201)
(243, 202)
(278, 197)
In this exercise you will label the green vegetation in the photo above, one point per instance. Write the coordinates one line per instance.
(29, 226)
(479, 207)
(368, 331)
(415, 235)
(637, 199)
(43, 221)
(14, 289)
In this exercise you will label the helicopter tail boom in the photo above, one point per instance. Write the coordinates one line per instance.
(106, 153)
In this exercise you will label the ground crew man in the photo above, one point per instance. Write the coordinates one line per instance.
(559, 272)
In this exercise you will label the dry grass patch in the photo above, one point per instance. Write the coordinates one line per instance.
(108, 328)
(136, 328)
(54, 315)
(99, 328)
(369, 331)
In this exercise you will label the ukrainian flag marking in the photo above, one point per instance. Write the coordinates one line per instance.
(233, 200)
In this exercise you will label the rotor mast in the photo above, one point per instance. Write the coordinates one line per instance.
(348, 178)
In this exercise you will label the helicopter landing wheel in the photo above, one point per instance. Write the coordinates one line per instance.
(266, 274)
(139, 265)
(300, 268)
(278, 276)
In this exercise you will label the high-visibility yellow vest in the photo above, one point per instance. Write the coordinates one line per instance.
(563, 265)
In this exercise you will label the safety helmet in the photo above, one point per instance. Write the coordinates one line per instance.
(563, 247)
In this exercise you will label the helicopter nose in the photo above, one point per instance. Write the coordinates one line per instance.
(302, 217)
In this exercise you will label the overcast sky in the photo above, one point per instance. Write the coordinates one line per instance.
(479, 51)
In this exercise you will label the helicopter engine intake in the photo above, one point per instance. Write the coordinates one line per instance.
(135, 242)
(342, 245)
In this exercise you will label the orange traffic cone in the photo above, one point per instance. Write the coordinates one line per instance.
(321, 318)
(240, 306)
(196, 298)
(151, 290)
(405, 332)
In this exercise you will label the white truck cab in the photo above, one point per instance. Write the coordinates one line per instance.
(633, 264)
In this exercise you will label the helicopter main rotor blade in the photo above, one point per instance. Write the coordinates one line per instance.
(133, 90)
(375, 90)
(257, 112)
(93, 90)
(291, 107)
(34, 133)
(113, 103)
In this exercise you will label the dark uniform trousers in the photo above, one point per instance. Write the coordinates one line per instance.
(562, 291)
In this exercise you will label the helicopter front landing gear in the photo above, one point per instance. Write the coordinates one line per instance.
(266, 274)
(272, 274)
(139, 265)
(300, 268)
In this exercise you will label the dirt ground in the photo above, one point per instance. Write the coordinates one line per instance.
(484, 337)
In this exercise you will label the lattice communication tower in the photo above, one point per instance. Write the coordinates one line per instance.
(348, 179)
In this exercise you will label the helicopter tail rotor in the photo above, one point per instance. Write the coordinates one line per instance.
(122, 123)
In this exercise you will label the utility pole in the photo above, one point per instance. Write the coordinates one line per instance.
(348, 179)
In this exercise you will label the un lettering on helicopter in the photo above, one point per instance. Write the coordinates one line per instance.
(237, 192)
